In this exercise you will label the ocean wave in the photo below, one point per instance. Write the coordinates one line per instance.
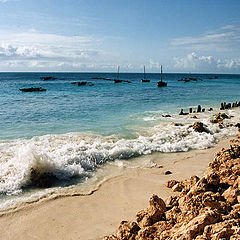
(78, 155)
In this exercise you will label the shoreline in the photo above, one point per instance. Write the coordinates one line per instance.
(98, 214)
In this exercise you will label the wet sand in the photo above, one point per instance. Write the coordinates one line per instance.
(99, 214)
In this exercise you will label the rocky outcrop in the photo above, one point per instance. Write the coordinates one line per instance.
(206, 208)
(218, 118)
(199, 127)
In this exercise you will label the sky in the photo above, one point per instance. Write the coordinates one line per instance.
(198, 36)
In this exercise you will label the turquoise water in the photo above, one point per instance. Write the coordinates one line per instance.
(69, 131)
(105, 108)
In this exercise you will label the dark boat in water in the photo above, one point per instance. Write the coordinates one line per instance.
(215, 77)
(32, 89)
(117, 80)
(185, 79)
(144, 76)
(48, 78)
(82, 83)
(161, 83)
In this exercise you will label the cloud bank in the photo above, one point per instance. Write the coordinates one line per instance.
(197, 63)
(38, 51)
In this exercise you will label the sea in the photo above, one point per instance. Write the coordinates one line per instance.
(78, 133)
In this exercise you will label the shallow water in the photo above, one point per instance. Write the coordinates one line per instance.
(70, 131)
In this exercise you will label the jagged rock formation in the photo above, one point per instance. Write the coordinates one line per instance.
(207, 208)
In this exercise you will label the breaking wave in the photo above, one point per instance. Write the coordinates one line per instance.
(78, 155)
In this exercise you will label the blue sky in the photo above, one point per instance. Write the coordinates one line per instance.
(98, 35)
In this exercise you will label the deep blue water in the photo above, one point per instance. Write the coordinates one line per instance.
(104, 108)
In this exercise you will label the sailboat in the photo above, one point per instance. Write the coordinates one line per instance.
(144, 76)
(161, 83)
(117, 79)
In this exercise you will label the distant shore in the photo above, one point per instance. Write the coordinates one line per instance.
(99, 214)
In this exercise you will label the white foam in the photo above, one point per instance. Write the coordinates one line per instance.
(73, 154)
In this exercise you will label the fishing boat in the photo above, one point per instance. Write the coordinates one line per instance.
(48, 78)
(82, 83)
(117, 80)
(33, 89)
(161, 83)
(144, 76)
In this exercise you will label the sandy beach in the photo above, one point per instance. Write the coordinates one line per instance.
(99, 214)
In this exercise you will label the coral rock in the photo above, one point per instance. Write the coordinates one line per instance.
(199, 127)
(152, 214)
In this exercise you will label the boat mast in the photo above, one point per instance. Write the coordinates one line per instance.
(161, 73)
(144, 75)
(118, 72)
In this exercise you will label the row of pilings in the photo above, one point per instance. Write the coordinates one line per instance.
(199, 108)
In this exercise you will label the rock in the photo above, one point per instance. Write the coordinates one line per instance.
(172, 201)
(207, 208)
(178, 187)
(171, 183)
(41, 179)
(237, 125)
(199, 127)
(194, 116)
(166, 115)
(218, 118)
(168, 172)
(196, 226)
(222, 230)
(152, 214)
(127, 230)
(176, 124)
(231, 195)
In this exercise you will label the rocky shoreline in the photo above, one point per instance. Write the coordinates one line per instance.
(206, 208)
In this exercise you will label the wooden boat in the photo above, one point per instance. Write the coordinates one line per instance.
(82, 83)
(48, 78)
(117, 80)
(161, 83)
(32, 89)
(144, 76)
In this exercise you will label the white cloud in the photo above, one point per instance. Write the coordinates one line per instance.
(223, 39)
(33, 50)
(195, 63)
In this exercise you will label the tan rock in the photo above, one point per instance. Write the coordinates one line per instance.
(171, 201)
(127, 230)
(206, 209)
(196, 226)
(231, 195)
(178, 187)
(171, 183)
(152, 214)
